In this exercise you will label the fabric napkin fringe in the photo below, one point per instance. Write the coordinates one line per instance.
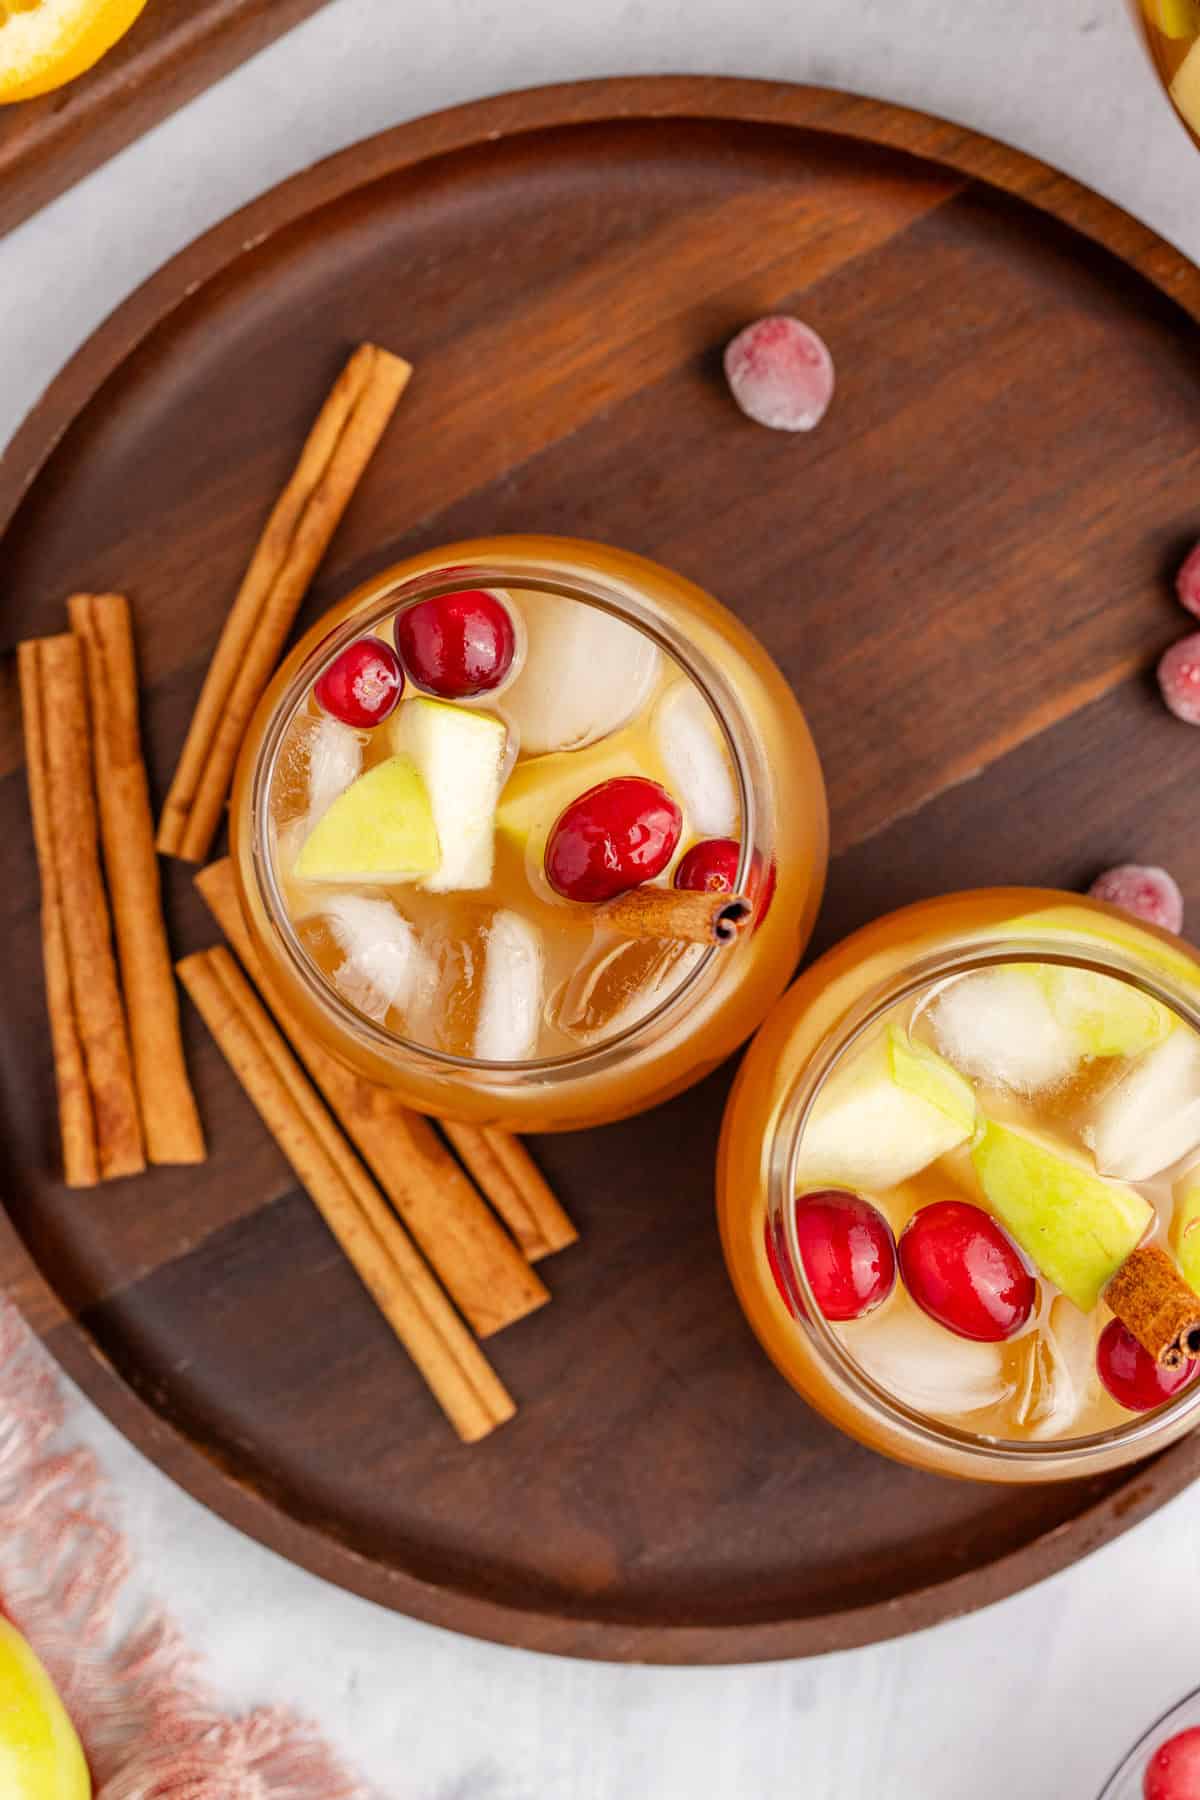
(151, 1727)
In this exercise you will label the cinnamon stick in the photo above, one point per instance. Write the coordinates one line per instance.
(482, 1269)
(687, 916)
(87, 1019)
(294, 539)
(510, 1178)
(1154, 1302)
(382, 1254)
(170, 1121)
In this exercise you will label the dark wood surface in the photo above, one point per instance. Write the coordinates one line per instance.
(173, 52)
(965, 574)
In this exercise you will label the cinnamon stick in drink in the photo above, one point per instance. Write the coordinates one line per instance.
(170, 1122)
(337, 451)
(1154, 1302)
(87, 1018)
(685, 915)
(483, 1270)
(383, 1256)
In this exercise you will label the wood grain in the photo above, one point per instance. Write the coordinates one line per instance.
(965, 575)
(176, 49)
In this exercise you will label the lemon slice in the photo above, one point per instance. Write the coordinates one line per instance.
(44, 43)
(40, 1756)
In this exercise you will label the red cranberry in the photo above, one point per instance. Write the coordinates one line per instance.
(1173, 1772)
(1187, 582)
(612, 838)
(1148, 893)
(964, 1272)
(848, 1251)
(1131, 1375)
(459, 644)
(1179, 678)
(780, 373)
(710, 867)
(362, 685)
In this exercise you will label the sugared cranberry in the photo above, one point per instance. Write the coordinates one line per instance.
(848, 1251)
(1131, 1375)
(964, 1272)
(780, 373)
(1187, 582)
(1173, 1772)
(459, 644)
(362, 685)
(612, 838)
(1179, 678)
(710, 867)
(1148, 893)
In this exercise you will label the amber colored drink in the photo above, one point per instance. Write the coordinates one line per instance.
(1018, 1064)
(518, 1004)
(1170, 30)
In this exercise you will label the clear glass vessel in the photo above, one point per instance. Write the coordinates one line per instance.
(994, 1411)
(715, 997)
(1128, 1782)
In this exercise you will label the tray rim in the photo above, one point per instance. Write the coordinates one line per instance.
(542, 1626)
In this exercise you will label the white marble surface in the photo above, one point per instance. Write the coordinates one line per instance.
(1036, 1697)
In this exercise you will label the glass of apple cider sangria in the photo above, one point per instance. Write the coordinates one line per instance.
(1171, 31)
(532, 830)
(959, 1181)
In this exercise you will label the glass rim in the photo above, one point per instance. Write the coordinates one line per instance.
(384, 597)
(842, 1367)
(1131, 1763)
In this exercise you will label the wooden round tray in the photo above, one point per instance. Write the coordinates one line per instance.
(964, 574)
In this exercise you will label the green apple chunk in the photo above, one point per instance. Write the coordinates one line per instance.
(1075, 1226)
(1101, 1015)
(1185, 1226)
(459, 754)
(379, 829)
(890, 1112)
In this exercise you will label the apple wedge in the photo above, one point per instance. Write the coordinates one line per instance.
(1185, 1226)
(459, 754)
(891, 1111)
(379, 829)
(1075, 1227)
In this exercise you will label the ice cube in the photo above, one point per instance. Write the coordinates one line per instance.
(1150, 1117)
(383, 963)
(690, 744)
(924, 1365)
(619, 985)
(1058, 1373)
(585, 674)
(334, 761)
(998, 1026)
(510, 1005)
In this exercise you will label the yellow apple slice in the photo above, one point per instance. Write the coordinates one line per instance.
(379, 829)
(1075, 1226)
(40, 1754)
(889, 1112)
(459, 755)
(1185, 1226)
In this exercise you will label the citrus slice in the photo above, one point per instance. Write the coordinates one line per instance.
(44, 43)
(40, 1755)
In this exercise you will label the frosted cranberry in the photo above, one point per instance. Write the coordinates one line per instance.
(710, 867)
(965, 1272)
(1131, 1375)
(1179, 679)
(848, 1251)
(362, 685)
(780, 373)
(1147, 893)
(1187, 582)
(612, 838)
(459, 644)
(1173, 1772)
